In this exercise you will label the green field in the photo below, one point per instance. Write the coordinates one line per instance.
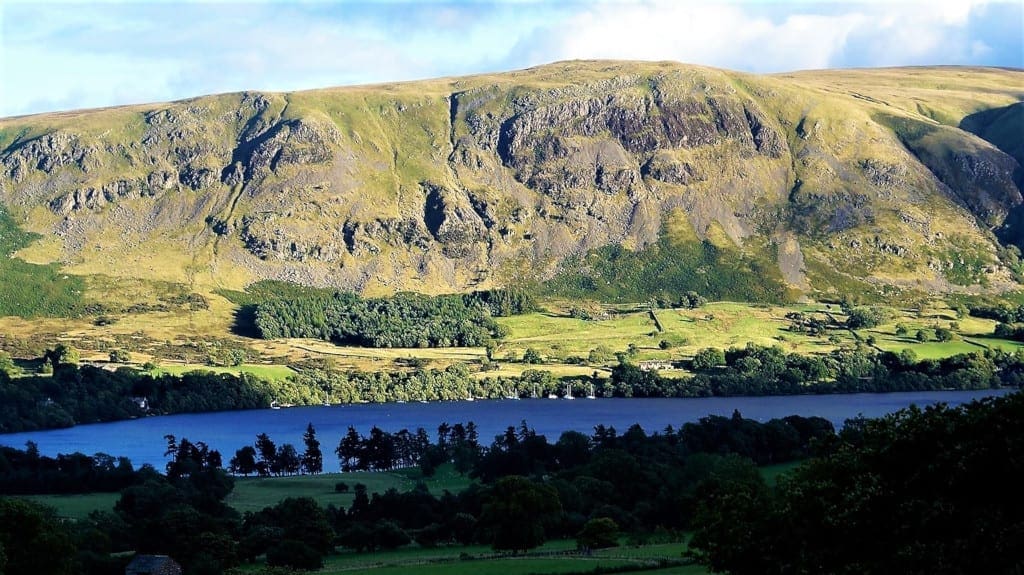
(565, 343)
(269, 372)
(78, 506)
(720, 324)
(253, 494)
(503, 566)
(771, 473)
(553, 557)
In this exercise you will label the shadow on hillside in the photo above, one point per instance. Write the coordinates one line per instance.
(245, 322)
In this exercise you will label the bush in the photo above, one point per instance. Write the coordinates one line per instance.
(430, 536)
(600, 354)
(598, 533)
(532, 356)
(290, 553)
(388, 535)
(341, 487)
(863, 317)
(692, 300)
(708, 358)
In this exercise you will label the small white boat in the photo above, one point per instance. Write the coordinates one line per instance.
(275, 405)
(591, 394)
(568, 392)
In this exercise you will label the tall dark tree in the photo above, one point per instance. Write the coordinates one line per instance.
(517, 511)
(918, 492)
(33, 540)
(350, 450)
(268, 454)
(287, 460)
(312, 458)
(244, 461)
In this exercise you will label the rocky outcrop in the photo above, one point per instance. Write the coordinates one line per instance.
(48, 154)
(451, 220)
(472, 182)
(97, 198)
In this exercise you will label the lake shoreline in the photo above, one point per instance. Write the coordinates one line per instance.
(142, 439)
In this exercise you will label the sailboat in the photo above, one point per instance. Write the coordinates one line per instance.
(568, 392)
(591, 394)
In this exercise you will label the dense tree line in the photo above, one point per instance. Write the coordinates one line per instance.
(265, 458)
(530, 489)
(404, 320)
(26, 471)
(89, 394)
(1014, 331)
(1000, 313)
(920, 491)
(757, 370)
(86, 394)
(181, 513)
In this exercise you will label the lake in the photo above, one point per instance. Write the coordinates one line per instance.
(142, 440)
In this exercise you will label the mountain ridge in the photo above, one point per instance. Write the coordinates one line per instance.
(840, 180)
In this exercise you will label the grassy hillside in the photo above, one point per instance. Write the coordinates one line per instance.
(609, 181)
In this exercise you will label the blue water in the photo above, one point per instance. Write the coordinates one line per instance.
(142, 440)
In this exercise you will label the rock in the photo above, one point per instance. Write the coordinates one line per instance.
(451, 220)
(197, 178)
(95, 199)
(233, 175)
(48, 154)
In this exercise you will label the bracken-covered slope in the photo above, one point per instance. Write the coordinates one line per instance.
(756, 186)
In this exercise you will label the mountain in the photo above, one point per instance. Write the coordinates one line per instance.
(619, 180)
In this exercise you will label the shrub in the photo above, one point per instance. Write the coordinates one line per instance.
(291, 553)
(532, 356)
(598, 533)
(708, 358)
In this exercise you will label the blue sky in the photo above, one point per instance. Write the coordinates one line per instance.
(58, 56)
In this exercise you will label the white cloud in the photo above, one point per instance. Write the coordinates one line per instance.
(760, 37)
(95, 54)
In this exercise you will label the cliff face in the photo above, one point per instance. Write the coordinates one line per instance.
(452, 184)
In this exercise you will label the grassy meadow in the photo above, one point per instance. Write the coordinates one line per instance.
(553, 557)
(177, 341)
(253, 494)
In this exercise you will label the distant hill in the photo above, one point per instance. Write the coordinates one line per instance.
(613, 180)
